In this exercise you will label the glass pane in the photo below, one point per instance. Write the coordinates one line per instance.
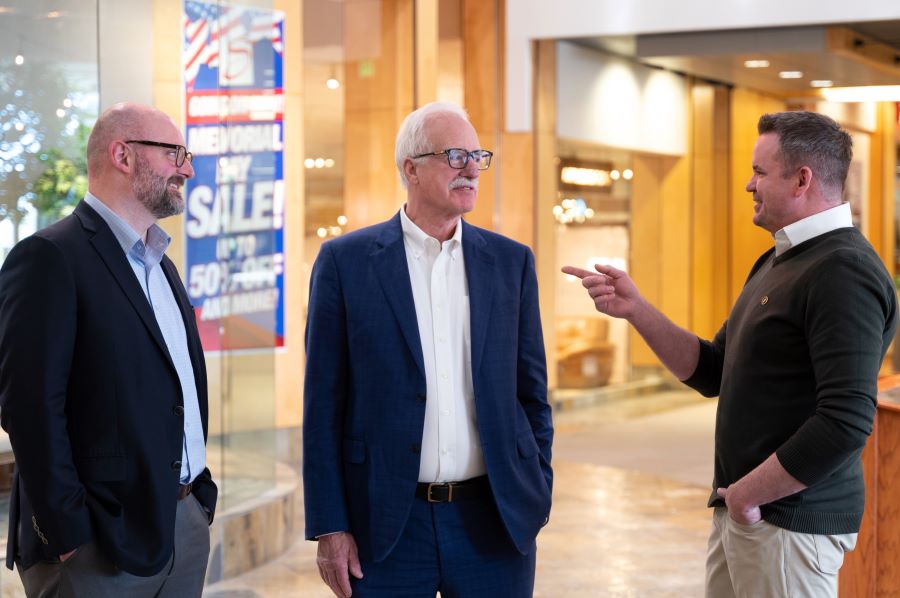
(48, 104)
(49, 101)
(234, 224)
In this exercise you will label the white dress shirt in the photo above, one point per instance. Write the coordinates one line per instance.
(813, 226)
(451, 447)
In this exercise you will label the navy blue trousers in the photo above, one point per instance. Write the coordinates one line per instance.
(459, 549)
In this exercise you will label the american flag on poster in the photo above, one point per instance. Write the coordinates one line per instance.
(234, 217)
(216, 34)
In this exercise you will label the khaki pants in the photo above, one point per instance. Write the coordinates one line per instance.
(765, 561)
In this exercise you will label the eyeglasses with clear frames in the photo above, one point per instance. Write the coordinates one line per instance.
(181, 153)
(458, 158)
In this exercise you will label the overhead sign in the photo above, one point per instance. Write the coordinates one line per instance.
(234, 219)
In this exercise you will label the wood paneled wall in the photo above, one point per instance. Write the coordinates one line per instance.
(710, 258)
(748, 241)
(546, 187)
(882, 184)
(378, 88)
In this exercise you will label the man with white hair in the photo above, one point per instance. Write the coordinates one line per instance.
(103, 382)
(426, 428)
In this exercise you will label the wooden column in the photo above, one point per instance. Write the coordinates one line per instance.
(748, 241)
(482, 98)
(426, 49)
(882, 169)
(289, 363)
(662, 240)
(710, 213)
(378, 44)
(546, 189)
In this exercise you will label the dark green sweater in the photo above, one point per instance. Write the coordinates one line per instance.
(795, 367)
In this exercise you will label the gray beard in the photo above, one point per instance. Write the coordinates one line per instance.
(153, 192)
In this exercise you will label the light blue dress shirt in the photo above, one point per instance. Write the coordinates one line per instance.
(145, 259)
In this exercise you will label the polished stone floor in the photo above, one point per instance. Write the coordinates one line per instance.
(629, 517)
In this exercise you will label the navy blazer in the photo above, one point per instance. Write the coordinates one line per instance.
(91, 400)
(364, 392)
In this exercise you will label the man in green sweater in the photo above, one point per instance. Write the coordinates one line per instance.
(795, 367)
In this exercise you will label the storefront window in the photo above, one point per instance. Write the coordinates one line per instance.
(49, 100)
(48, 103)
(592, 226)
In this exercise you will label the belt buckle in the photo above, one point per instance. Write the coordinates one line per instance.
(449, 492)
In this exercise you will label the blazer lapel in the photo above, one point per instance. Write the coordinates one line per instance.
(479, 275)
(109, 250)
(389, 260)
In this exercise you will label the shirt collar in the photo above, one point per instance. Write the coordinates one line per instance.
(131, 242)
(813, 226)
(419, 239)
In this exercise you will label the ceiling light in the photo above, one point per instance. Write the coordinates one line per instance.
(319, 162)
(614, 175)
(342, 220)
(329, 162)
(791, 74)
(628, 174)
(756, 64)
(870, 93)
(54, 14)
(584, 177)
(20, 60)
(332, 83)
(60, 112)
(821, 83)
(309, 162)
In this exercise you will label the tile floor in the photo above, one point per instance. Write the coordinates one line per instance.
(629, 517)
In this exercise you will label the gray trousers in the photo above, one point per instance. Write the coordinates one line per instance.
(90, 573)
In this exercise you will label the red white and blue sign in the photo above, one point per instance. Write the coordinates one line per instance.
(234, 219)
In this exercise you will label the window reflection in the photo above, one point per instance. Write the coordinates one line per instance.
(48, 103)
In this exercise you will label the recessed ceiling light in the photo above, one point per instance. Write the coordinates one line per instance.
(756, 64)
(791, 74)
(821, 83)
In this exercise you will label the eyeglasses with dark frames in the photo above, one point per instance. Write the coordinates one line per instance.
(458, 158)
(181, 153)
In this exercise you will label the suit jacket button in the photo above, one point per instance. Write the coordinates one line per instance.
(176, 465)
(420, 398)
(415, 448)
(178, 410)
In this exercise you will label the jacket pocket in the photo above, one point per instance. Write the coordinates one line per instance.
(354, 450)
(527, 445)
(102, 469)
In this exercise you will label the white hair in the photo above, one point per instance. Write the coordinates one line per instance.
(411, 139)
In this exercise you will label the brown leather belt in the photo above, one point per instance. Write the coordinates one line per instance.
(184, 490)
(451, 491)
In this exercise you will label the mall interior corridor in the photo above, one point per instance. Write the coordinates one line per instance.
(629, 516)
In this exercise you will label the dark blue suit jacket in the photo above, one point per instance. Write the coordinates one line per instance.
(364, 394)
(91, 400)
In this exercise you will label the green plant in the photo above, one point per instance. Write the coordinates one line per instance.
(59, 187)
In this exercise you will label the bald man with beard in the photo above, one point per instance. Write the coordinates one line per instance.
(103, 382)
